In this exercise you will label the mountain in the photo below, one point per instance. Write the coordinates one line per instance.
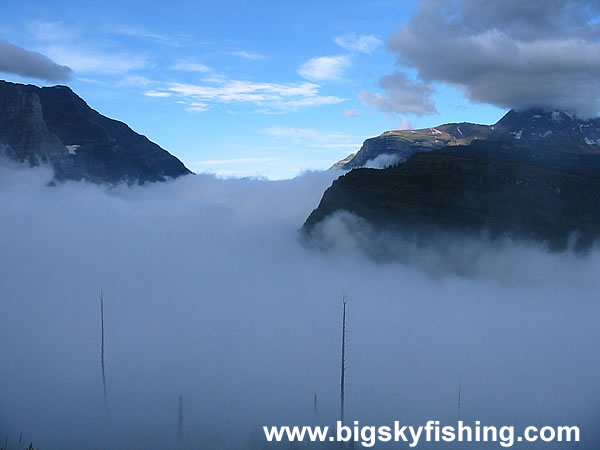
(53, 125)
(534, 128)
(534, 176)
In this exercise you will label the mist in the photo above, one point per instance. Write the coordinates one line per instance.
(210, 293)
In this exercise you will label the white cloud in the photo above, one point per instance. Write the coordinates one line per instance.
(153, 93)
(237, 90)
(351, 113)
(248, 55)
(187, 66)
(195, 106)
(270, 97)
(324, 68)
(88, 60)
(354, 43)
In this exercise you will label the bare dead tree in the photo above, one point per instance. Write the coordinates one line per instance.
(459, 392)
(343, 369)
(102, 350)
(180, 417)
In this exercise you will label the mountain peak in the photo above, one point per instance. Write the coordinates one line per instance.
(554, 115)
(537, 129)
(550, 128)
(54, 125)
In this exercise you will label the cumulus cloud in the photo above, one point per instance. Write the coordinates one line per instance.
(209, 293)
(19, 61)
(325, 68)
(402, 96)
(351, 113)
(511, 54)
(354, 43)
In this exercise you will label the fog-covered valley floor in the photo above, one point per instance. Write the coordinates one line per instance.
(209, 293)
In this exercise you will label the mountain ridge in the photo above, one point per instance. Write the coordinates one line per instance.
(531, 128)
(54, 125)
(534, 176)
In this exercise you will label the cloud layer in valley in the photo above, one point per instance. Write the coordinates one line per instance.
(209, 293)
(511, 54)
(19, 61)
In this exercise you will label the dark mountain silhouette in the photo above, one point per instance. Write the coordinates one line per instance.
(53, 125)
(533, 175)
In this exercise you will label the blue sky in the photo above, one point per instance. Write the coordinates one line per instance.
(236, 88)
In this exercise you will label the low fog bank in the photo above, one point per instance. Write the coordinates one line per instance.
(210, 293)
(440, 253)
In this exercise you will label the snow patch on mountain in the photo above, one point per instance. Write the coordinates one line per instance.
(72, 149)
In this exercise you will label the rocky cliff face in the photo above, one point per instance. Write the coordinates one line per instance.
(53, 125)
(533, 129)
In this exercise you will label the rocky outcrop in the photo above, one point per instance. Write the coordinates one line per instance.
(53, 125)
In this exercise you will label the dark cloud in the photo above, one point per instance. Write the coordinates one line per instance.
(19, 61)
(402, 96)
(512, 54)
